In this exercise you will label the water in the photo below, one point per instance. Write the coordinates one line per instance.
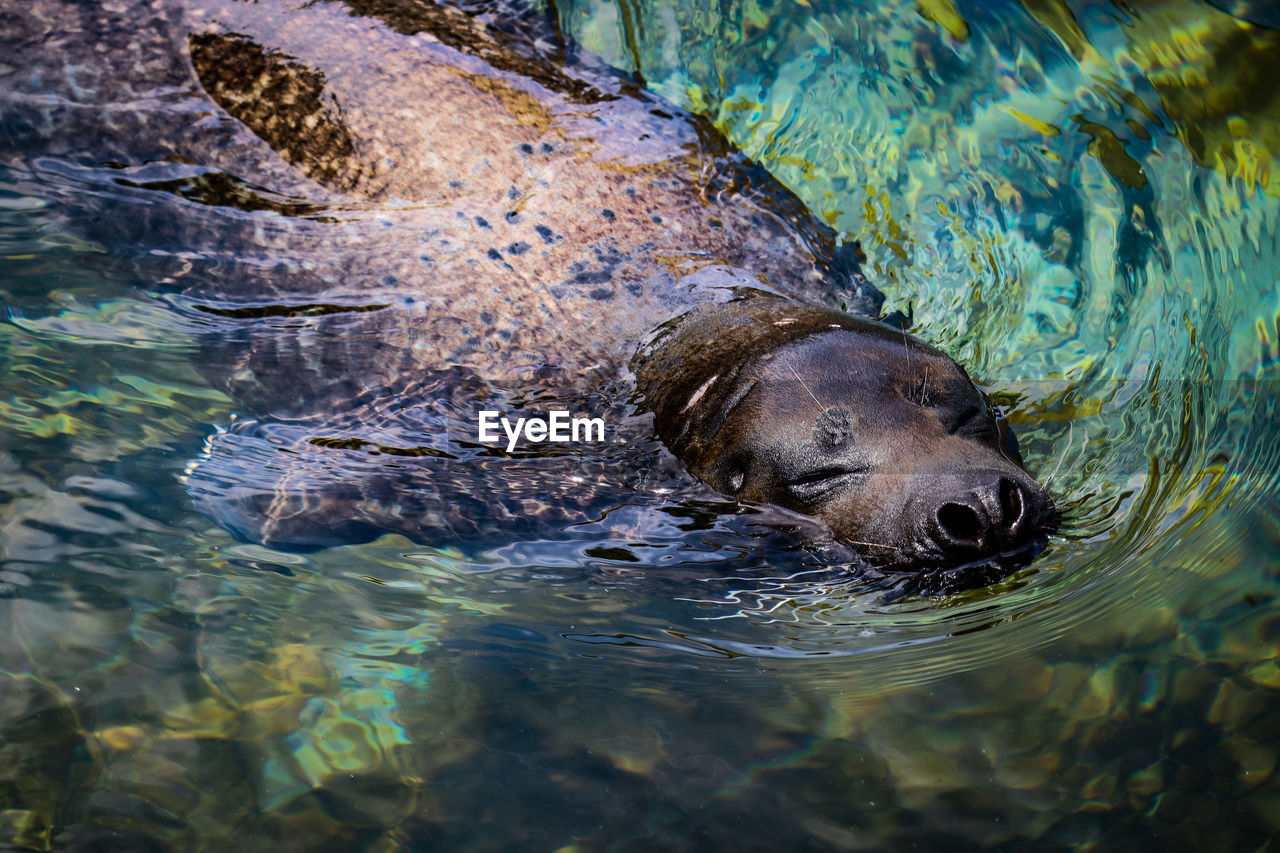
(1076, 201)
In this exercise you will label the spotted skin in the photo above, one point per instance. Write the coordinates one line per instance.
(384, 216)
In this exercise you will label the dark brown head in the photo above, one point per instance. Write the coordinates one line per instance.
(881, 436)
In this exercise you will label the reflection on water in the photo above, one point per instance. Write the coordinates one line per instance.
(1075, 200)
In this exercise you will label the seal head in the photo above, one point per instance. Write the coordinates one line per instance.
(881, 436)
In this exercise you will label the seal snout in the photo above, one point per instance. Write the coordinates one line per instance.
(990, 513)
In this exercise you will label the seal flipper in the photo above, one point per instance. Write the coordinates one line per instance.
(307, 485)
(283, 102)
(268, 484)
(287, 73)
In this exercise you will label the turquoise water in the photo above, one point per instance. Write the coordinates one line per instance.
(1074, 200)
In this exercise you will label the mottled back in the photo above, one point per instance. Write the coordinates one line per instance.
(384, 217)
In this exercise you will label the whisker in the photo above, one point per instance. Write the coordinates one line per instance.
(805, 387)
(1062, 458)
(906, 349)
(868, 544)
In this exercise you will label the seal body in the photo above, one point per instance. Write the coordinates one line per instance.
(384, 216)
(466, 204)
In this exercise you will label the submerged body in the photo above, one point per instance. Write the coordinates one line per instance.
(417, 218)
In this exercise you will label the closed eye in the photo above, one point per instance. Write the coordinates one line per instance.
(815, 485)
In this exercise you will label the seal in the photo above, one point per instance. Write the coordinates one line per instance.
(382, 217)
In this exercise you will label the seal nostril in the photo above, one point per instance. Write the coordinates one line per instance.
(961, 524)
(1013, 504)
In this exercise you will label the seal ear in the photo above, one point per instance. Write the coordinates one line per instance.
(732, 474)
